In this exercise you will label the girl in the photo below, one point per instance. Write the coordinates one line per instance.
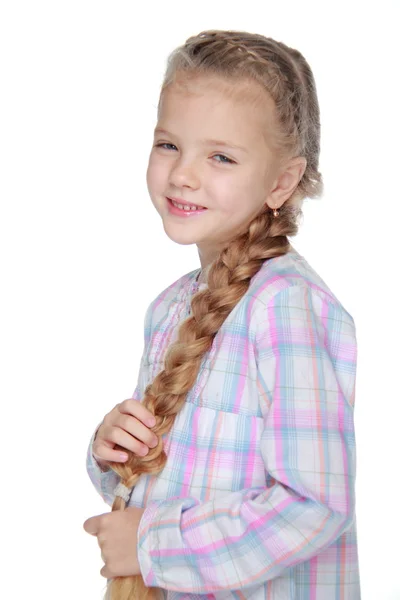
(245, 486)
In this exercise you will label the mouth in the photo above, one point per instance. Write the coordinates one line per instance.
(183, 208)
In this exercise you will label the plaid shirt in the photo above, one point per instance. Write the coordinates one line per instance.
(257, 498)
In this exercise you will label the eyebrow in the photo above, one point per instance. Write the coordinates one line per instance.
(209, 142)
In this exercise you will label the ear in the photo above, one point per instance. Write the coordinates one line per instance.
(286, 182)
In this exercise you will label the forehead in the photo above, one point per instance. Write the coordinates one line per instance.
(211, 107)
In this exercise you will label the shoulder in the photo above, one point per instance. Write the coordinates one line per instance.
(302, 328)
(290, 282)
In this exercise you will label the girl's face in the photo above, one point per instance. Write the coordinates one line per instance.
(230, 176)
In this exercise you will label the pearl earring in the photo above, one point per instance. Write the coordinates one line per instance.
(275, 211)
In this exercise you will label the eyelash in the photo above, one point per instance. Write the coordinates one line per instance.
(228, 160)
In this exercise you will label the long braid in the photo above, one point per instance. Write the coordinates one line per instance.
(284, 71)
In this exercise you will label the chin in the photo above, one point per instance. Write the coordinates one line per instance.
(183, 237)
(180, 239)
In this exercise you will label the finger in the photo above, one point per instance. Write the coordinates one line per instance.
(137, 430)
(105, 572)
(91, 526)
(109, 455)
(124, 440)
(94, 524)
(138, 410)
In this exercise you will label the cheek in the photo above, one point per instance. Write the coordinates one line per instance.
(155, 176)
(231, 198)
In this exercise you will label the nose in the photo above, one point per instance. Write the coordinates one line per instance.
(184, 175)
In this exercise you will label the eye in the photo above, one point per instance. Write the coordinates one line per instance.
(225, 159)
(228, 160)
(164, 144)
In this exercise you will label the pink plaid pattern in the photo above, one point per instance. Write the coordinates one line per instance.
(257, 499)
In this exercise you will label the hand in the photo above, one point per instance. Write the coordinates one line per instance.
(117, 537)
(128, 426)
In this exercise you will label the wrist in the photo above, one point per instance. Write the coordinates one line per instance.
(103, 465)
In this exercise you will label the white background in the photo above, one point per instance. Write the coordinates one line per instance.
(83, 251)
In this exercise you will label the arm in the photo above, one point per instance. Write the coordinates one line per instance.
(306, 356)
(105, 479)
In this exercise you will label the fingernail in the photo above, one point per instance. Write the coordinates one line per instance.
(151, 422)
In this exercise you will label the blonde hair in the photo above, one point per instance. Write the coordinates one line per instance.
(286, 76)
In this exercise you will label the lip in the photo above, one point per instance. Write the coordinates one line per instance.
(178, 212)
(183, 202)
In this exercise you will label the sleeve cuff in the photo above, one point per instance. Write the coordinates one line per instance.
(103, 481)
(91, 460)
(151, 540)
(145, 542)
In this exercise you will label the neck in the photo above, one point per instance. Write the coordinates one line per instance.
(202, 277)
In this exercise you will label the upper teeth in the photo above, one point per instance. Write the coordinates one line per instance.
(185, 206)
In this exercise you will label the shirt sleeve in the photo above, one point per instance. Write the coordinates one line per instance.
(105, 481)
(306, 361)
